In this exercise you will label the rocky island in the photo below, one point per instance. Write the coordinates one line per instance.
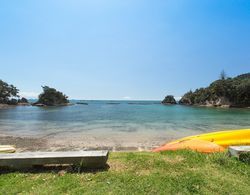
(51, 97)
(169, 99)
(225, 92)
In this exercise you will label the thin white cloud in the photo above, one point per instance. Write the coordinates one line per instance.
(29, 95)
(127, 98)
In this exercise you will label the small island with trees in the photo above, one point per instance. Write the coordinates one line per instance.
(169, 99)
(51, 97)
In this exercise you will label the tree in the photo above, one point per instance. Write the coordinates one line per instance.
(188, 98)
(23, 100)
(52, 97)
(223, 75)
(169, 100)
(7, 92)
(243, 93)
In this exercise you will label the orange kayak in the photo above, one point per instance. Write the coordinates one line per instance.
(192, 144)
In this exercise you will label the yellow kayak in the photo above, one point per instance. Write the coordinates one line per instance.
(7, 149)
(223, 138)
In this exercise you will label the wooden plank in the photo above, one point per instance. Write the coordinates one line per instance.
(90, 159)
(237, 150)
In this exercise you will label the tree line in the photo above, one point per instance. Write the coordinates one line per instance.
(226, 90)
(232, 92)
(9, 94)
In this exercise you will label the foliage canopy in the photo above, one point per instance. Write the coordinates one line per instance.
(7, 92)
(169, 100)
(52, 97)
(235, 90)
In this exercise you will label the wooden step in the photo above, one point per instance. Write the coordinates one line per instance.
(88, 159)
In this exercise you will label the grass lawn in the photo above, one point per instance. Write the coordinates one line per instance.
(182, 172)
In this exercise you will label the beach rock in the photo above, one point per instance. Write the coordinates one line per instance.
(220, 102)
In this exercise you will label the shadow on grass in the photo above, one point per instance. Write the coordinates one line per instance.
(56, 169)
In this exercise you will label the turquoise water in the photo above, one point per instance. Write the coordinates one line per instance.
(120, 117)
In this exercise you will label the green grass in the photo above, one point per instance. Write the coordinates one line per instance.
(182, 172)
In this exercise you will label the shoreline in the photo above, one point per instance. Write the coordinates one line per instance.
(75, 143)
(213, 106)
(6, 106)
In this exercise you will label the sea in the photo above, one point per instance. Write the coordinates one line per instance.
(120, 117)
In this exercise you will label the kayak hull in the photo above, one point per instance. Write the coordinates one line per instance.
(224, 138)
(209, 142)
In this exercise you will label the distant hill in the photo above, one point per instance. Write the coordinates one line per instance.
(228, 92)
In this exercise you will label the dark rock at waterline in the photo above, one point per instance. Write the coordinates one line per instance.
(82, 103)
(56, 105)
(39, 105)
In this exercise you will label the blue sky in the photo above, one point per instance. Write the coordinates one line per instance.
(116, 49)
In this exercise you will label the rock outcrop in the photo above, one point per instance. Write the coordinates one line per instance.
(169, 100)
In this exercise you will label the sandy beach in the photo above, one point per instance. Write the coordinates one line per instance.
(121, 142)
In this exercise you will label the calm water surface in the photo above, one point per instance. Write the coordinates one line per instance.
(120, 116)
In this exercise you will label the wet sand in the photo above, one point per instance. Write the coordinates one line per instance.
(87, 141)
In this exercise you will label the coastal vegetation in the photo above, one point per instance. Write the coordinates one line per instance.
(23, 101)
(9, 94)
(179, 172)
(226, 92)
(51, 97)
(169, 100)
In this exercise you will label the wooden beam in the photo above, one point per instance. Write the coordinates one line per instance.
(88, 159)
